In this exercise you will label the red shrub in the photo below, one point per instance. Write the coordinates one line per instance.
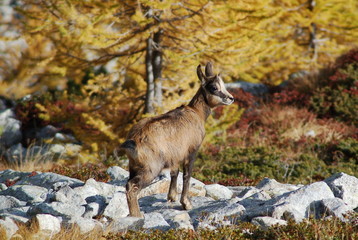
(242, 98)
(290, 97)
(347, 59)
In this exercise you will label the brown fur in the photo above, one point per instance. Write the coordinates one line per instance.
(171, 139)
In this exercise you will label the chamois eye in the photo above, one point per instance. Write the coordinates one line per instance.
(212, 88)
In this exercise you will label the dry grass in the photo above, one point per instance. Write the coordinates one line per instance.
(30, 162)
(31, 232)
(292, 123)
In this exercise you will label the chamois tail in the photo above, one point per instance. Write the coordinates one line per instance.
(130, 147)
(129, 144)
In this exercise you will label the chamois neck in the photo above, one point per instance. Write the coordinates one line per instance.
(200, 105)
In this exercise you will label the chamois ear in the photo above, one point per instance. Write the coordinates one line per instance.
(200, 75)
(209, 70)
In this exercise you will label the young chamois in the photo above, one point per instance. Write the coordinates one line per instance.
(171, 139)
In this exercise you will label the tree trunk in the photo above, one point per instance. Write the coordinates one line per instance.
(149, 101)
(153, 64)
(313, 46)
(157, 67)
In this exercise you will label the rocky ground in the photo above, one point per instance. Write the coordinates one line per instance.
(57, 201)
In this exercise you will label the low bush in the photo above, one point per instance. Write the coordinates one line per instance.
(312, 229)
(83, 172)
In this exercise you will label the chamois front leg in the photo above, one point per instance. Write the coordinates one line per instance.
(133, 187)
(173, 193)
(136, 183)
(188, 168)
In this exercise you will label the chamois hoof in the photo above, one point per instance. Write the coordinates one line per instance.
(187, 205)
(172, 198)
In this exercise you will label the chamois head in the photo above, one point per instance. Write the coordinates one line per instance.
(215, 91)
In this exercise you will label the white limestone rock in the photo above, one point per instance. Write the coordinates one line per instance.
(217, 191)
(155, 220)
(65, 210)
(345, 187)
(274, 188)
(266, 222)
(27, 193)
(125, 224)
(48, 223)
(117, 207)
(9, 226)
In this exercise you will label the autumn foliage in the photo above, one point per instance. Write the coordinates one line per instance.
(93, 68)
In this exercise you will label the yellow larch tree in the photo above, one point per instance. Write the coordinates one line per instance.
(160, 42)
(150, 49)
(306, 35)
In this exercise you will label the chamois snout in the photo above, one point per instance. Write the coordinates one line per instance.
(229, 99)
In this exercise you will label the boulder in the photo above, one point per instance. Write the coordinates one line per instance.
(117, 207)
(65, 210)
(11, 176)
(10, 128)
(157, 186)
(117, 173)
(248, 192)
(274, 188)
(15, 154)
(92, 210)
(95, 206)
(9, 202)
(217, 191)
(236, 190)
(68, 195)
(216, 212)
(344, 187)
(295, 204)
(330, 207)
(87, 225)
(56, 150)
(255, 200)
(292, 205)
(27, 193)
(178, 219)
(18, 214)
(155, 220)
(47, 132)
(92, 188)
(266, 222)
(48, 223)
(125, 224)
(49, 180)
(158, 202)
(257, 89)
(9, 226)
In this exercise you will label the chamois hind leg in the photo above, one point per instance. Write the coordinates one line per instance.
(173, 193)
(188, 168)
(133, 187)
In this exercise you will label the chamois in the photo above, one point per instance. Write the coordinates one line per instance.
(171, 139)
